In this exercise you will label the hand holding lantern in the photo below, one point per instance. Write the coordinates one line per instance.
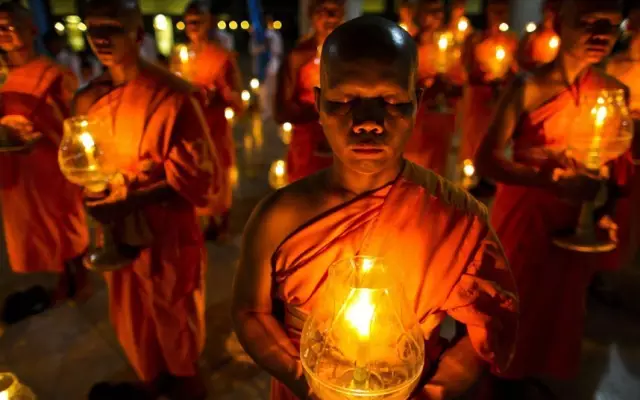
(86, 158)
(180, 62)
(362, 340)
(602, 133)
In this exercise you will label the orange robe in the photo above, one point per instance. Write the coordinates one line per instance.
(538, 48)
(552, 282)
(157, 303)
(215, 67)
(44, 219)
(439, 240)
(480, 95)
(309, 151)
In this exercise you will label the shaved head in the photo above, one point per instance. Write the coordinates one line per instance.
(18, 31)
(196, 7)
(126, 11)
(367, 40)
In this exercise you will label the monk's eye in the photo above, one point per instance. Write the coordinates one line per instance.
(338, 107)
(399, 109)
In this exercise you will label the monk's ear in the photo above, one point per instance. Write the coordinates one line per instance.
(317, 94)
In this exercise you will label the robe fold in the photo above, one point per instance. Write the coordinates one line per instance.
(438, 241)
(43, 215)
(309, 150)
(552, 282)
(157, 303)
(215, 68)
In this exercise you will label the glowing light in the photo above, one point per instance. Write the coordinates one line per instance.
(554, 42)
(503, 27)
(287, 127)
(468, 169)
(360, 311)
(531, 27)
(601, 115)
(82, 27)
(229, 113)
(180, 26)
(87, 141)
(255, 84)
(161, 22)
(222, 25)
(463, 24)
(73, 19)
(59, 26)
(443, 43)
(500, 53)
(183, 53)
(246, 96)
(245, 25)
(233, 25)
(277, 25)
(279, 168)
(367, 264)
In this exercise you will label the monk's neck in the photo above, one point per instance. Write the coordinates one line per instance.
(571, 68)
(21, 57)
(356, 183)
(198, 44)
(124, 73)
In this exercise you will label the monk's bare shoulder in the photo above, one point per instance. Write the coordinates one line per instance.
(609, 81)
(446, 191)
(88, 95)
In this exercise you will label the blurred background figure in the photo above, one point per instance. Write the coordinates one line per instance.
(541, 42)
(275, 45)
(149, 49)
(406, 15)
(58, 48)
(224, 38)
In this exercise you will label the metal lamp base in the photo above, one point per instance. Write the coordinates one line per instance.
(106, 260)
(585, 243)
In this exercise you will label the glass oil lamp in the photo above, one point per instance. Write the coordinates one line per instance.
(180, 61)
(602, 132)
(362, 339)
(86, 157)
(278, 174)
(285, 132)
(12, 389)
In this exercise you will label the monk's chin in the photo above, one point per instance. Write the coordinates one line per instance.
(370, 167)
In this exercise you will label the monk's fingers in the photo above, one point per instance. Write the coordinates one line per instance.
(608, 224)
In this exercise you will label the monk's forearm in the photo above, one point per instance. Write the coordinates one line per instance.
(459, 368)
(265, 341)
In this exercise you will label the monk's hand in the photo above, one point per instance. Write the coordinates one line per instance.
(607, 224)
(576, 185)
(112, 204)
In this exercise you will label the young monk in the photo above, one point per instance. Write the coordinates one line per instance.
(214, 70)
(168, 167)
(44, 220)
(539, 193)
(540, 46)
(373, 202)
(430, 143)
(294, 102)
(488, 57)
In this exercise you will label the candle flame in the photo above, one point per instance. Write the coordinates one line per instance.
(503, 27)
(443, 42)
(279, 168)
(531, 27)
(255, 84)
(228, 113)
(367, 264)
(554, 42)
(601, 115)
(183, 53)
(246, 96)
(287, 127)
(468, 169)
(500, 53)
(87, 141)
(463, 24)
(360, 312)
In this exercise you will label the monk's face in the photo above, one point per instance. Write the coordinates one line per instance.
(197, 25)
(367, 110)
(589, 29)
(430, 16)
(114, 43)
(326, 17)
(14, 33)
(497, 13)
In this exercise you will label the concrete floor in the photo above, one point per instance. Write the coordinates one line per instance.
(61, 353)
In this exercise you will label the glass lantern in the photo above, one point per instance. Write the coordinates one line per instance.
(602, 132)
(87, 157)
(181, 61)
(12, 389)
(362, 339)
(278, 174)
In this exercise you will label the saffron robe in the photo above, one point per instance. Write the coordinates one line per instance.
(538, 48)
(44, 219)
(309, 150)
(480, 94)
(213, 69)
(157, 303)
(552, 282)
(439, 241)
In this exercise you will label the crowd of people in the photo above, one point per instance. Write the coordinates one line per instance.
(377, 109)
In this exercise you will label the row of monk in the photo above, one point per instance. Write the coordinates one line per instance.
(369, 201)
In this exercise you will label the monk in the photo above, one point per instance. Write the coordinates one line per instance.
(541, 45)
(540, 191)
(406, 17)
(373, 202)
(44, 219)
(168, 167)
(488, 57)
(458, 23)
(440, 76)
(294, 99)
(214, 70)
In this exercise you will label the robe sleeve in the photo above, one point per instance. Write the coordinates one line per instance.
(485, 300)
(192, 166)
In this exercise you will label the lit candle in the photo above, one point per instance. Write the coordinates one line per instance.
(468, 170)
(531, 27)
(600, 115)
(255, 84)
(229, 114)
(246, 97)
(443, 46)
(554, 42)
(463, 24)
(278, 174)
(503, 27)
(285, 132)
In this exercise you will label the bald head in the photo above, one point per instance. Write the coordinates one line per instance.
(369, 40)
(196, 7)
(126, 11)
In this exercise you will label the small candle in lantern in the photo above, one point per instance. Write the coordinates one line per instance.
(463, 24)
(443, 47)
(554, 42)
(503, 27)
(600, 115)
(531, 27)
(468, 172)
(255, 84)
(285, 132)
(278, 174)
(229, 114)
(246, 97)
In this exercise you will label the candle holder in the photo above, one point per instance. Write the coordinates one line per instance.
(180, 61)
(86, 157)
(362, 339)
(602, 132)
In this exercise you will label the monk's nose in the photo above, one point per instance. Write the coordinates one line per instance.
(368, 127)
(368, 116)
